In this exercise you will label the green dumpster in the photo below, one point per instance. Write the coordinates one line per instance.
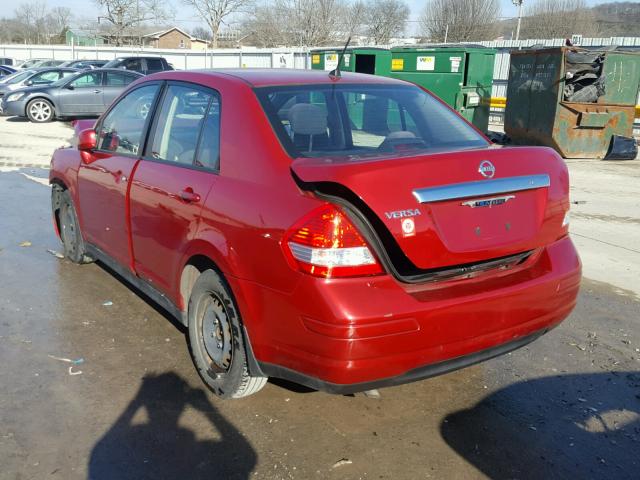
(371, 60)
(572, 100)
(461, 75)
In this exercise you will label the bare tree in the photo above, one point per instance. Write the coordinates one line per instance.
(558, 19)
(384, 19)
(202, 33)
(32, 17)
(124, 15)
(214, 12)
(354, 18)
(60, 18)
(298, 22)
(460, 20)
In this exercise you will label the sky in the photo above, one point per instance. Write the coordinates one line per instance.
(186, 19)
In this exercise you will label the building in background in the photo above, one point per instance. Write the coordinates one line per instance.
(173, 37)
(83, 38)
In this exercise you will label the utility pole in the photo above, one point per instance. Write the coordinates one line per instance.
(518, 3)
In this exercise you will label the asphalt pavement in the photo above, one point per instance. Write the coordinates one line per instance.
(97, 382)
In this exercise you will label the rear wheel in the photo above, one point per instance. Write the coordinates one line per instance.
(40, 110)
(216, 339)
(70, 234)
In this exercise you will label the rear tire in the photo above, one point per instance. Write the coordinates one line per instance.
(69, 227)
(40, 110)
(216, 339)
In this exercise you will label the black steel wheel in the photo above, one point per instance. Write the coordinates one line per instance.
(70, 234)
(217, 341)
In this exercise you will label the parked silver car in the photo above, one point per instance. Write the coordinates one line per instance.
(85, 94)
(33, 77)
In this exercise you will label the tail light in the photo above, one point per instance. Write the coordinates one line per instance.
(326, 244)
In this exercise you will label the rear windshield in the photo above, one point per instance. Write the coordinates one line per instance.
(363, 120)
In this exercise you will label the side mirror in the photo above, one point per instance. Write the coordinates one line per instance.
(87, 140)
(69, 86)
(28, 83)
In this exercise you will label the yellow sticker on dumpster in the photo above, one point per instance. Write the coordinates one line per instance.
(426, 63)
(315, 59)
(397, 64)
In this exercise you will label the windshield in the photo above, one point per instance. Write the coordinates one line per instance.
(363, 120)
(18, 77)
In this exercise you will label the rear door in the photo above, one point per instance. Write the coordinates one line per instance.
(103, 178)
(82, 96)
(173, 180)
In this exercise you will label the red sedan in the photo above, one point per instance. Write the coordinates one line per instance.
(345, 233)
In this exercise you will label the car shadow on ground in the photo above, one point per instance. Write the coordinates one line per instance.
(160, 447)
(18, 119)
(567, 426)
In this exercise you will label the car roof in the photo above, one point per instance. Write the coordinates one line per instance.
(137, 56)
(262, 77)
(54, 69)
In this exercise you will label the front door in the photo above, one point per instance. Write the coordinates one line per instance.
(104, 176)
(172, 182)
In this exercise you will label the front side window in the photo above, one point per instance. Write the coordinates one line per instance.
(122, 129)
(134, 64)
(45, 77)
(87, 80)
(364, 120)
(180, 119)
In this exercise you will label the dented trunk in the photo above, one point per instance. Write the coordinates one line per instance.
(450, 209)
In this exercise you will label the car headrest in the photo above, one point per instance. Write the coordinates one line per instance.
(400, 134)
(307, 119)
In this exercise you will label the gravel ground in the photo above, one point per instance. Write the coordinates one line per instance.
(130, 404)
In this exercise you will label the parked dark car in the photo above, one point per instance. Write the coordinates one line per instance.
(34, 77)
(85, 64)
(32, 63)
(6, 71)
(85, 94)
(50, 63)
(143, 65)
(344, 233)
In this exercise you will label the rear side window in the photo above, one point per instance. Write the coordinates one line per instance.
(88, 80)
(179, 123)
(364, 120)
(155, 64)
(117, 79)
(122, 129)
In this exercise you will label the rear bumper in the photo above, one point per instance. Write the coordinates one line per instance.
(355, 334)
(414, 375)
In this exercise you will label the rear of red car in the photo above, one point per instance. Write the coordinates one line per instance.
(426, 251)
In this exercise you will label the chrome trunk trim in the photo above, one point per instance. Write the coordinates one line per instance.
(481, 188)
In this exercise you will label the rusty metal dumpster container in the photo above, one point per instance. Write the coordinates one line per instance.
(572, 100)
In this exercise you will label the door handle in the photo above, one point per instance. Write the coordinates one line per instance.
(189, 196)
(97, 91)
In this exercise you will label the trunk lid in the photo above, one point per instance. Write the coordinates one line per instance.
(441, 210)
